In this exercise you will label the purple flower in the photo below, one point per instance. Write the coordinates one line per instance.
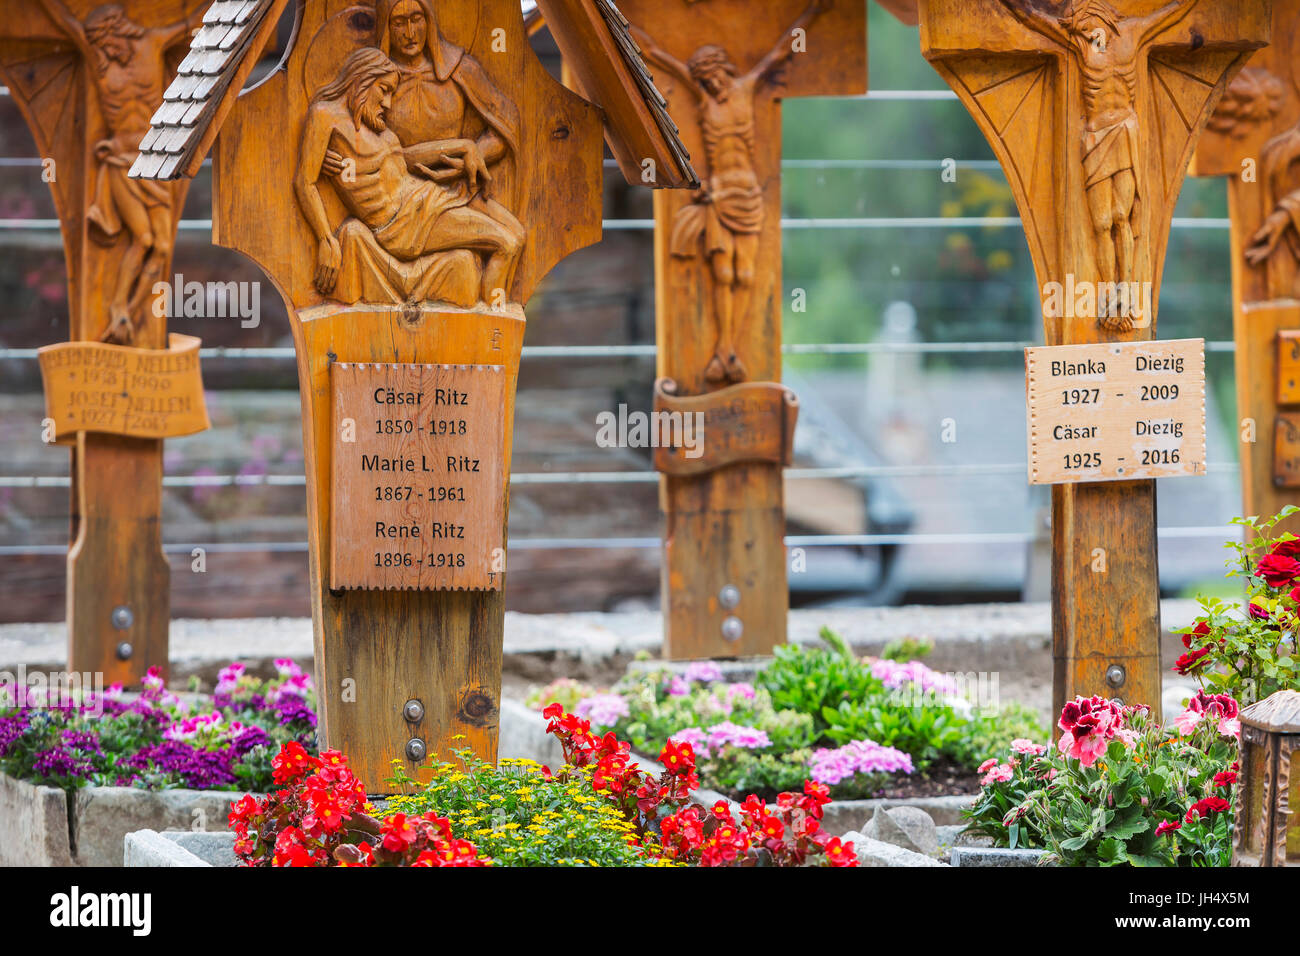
(727, 734)
(58, 762)
(705, 672)
(293, 710)
(603, 710)
(677, 687)
(197, 769)
(11, 728)
(860, 756)
(895, 675)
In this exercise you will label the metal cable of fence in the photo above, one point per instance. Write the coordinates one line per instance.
(596, 477)
(647, 543)
(837, 222)
(650, 351)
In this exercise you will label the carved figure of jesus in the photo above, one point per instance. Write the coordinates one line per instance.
(1108, 48)
(128, 65)
(726, 217)
(409, 208)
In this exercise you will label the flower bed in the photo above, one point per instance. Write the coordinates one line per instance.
(78, 774)
(866, 728)
(598, 809)
(1119, 788)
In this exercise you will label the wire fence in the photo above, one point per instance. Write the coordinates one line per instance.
(1011, 470)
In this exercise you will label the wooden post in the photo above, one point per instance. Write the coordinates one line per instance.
(406, 178)
(1253, 139)
(87, 77)
(1093, 109)
(725, 66)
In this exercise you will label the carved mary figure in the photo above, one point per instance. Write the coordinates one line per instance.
(443, 93)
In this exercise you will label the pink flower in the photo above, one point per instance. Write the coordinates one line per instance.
(859, 756)
(1002, 773)
(988, 765)
(705, 672)
(1169, 826)
(1129, 737)
(1023, 745)
(1222, 708)
(1089, 724)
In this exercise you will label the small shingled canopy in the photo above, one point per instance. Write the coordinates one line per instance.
(592, 35)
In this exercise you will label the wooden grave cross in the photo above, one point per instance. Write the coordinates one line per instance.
(406, 178)
(87, 77)
(719, 303)
(1093, 108)
(1253, 139)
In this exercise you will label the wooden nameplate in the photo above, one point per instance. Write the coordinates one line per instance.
(121, 390)
(698, 434)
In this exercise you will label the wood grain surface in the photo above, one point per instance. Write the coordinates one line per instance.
(1093, 119)
(719, 283)
(87, 76)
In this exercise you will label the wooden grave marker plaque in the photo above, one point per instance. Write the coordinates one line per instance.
(1253, 139)
(1115, 411)
(725, 67)
(418, 496)
(407, 177)
(87, 77)
(1093, 109)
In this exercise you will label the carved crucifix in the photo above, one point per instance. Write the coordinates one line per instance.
(407, 178)
(87, 78)
(1093, 109)
(720, 297)
(1253, 139)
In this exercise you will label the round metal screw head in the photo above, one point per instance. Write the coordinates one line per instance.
(124, 651)
(122, 617)
(1116, 675)
(733, 628)
(415, 750)
(729, 596)
(413, 711)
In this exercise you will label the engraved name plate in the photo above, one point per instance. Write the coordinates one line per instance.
(1116, 411)
(417, 491)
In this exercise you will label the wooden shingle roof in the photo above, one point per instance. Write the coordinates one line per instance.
(183, 128)
(592, 35)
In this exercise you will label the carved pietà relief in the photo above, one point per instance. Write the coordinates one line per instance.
(418, 143)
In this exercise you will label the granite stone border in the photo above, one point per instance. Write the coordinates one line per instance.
(45, 826)
(179, 848)
(1001, 857)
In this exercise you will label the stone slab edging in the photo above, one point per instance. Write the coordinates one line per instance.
(969, 856)
(45, 826)
(151, 848)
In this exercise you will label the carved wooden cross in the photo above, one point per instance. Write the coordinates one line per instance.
(407, 178)
(87, 77)
(1093, 108)
(719, 299)
(1253, 138)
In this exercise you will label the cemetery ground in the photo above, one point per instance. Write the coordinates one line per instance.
(914, 727)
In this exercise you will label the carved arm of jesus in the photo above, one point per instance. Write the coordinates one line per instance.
(311, 166)
(442, 161)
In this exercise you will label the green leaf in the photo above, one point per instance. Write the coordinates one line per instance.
(1129, 825)
(1112, 850)
(1074, 843)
